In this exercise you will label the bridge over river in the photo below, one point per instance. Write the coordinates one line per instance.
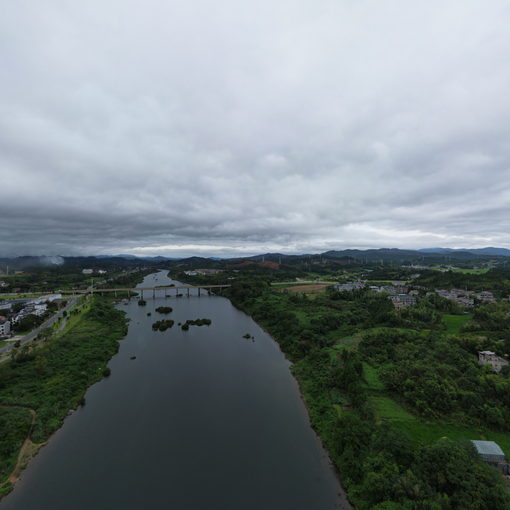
(142, 290)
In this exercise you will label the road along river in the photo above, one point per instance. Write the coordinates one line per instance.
(200, 419)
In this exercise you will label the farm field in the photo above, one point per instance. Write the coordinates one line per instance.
(454, 323)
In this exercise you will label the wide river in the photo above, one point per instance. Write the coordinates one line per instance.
(201, 420)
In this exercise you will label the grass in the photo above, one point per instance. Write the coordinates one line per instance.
(427, 432)
(421, 431)
(21, 295)
(73, 319)
(15, 424)
(454, 323)
(302, 317)
(387, 409)
(371, 377)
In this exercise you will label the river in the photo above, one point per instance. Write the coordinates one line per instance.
(201, 419)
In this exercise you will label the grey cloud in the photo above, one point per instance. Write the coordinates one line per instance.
(174, 127)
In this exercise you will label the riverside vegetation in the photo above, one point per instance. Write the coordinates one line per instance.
(395, 396)
(51, 379)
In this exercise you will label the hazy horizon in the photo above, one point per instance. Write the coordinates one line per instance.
(238, 255)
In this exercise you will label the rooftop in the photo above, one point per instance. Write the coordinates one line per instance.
(488, 448)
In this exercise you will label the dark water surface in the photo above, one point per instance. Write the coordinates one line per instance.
(201, 420)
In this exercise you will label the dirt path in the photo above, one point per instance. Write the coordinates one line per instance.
(27, 450)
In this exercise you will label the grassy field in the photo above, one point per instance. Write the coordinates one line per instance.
(308, 288)
(454, 323)
(73, 319)
(15, 425)
(371, 377)
(387, 409)
(427, 432)
(422, 431)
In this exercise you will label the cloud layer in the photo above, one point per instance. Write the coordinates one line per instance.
(180, 127)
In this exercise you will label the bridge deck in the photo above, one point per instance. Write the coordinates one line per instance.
(163, 287)
(117, 289)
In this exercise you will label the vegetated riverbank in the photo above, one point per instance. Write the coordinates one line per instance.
(52, 379)
(381, 467)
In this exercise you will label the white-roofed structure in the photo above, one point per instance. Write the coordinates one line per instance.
(489, 451)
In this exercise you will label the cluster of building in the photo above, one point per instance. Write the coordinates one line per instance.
(93, 271)
(403, 295)
(349, 287)
(203, 272)
(399, 293)
(34, 306)
(466, 297)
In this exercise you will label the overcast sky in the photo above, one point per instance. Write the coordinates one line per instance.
(178, 127)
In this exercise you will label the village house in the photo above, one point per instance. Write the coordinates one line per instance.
(492, 359)
(486, 296)
(460, 296)
(402, 301)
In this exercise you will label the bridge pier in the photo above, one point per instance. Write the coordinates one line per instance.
(153, 293)
(198, 291)
(188, 291)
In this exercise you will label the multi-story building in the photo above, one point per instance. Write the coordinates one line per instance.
(402, 301)
(5, 327)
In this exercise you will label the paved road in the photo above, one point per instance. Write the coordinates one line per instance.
(46, 324)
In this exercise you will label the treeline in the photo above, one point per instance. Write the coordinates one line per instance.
(380, 467)
(497, 280)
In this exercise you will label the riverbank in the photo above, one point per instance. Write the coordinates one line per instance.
(375, 457)
(51, 380)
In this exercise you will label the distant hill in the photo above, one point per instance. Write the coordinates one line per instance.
(489, 251)
(428, 256)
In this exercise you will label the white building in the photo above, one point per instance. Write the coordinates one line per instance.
(44, 299)
(5, 327)
(40, 309)
(343, 287)
(492, 359)
(87, 271)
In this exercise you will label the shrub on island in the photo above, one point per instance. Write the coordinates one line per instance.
(162, 325)
(164, 309)
(196, 322)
